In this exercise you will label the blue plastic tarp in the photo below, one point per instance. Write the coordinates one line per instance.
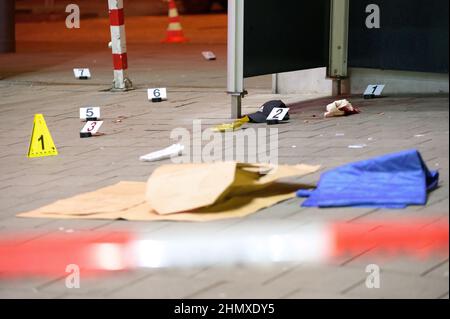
(390, 181)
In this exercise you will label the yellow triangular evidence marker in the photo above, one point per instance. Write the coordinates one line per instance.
(41, 142)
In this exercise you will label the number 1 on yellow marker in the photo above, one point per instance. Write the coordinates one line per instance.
(41, 142)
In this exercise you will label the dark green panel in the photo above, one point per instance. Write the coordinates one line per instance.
(413, 36)
(282, 36)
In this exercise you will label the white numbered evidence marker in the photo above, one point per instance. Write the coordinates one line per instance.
(90, 113)
(157, 94)
(90, 128)
(82, 73)
(277, 114)
(373, 90)
(209, 55)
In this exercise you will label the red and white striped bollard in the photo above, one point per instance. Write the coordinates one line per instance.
(118, 45)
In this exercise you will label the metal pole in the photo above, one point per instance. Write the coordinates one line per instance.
(236, 102)
(7, 26)
(338, 43)
(119, 47)
(235, 71)
(275, 83)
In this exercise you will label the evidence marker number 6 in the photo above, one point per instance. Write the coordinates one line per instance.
(157, 94)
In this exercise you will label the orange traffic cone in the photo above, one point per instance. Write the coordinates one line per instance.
(174, 30)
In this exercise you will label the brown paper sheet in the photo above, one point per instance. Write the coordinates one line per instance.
(242, 195)
(178, 188)
(235, 207)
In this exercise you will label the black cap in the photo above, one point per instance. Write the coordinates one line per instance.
(264, 111)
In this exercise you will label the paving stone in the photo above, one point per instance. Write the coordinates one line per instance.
(26, 294)
(162, 287)
(439, 270)
(108, 283)
(394, 285)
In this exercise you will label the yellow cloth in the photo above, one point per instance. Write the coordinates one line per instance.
(229, 127)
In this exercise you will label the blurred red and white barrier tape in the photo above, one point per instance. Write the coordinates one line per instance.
(98, 252)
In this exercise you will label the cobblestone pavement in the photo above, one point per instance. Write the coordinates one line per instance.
(196, 91)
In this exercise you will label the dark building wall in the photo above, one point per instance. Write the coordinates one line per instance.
(7, 26)
(281, 36)
(413, 36)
